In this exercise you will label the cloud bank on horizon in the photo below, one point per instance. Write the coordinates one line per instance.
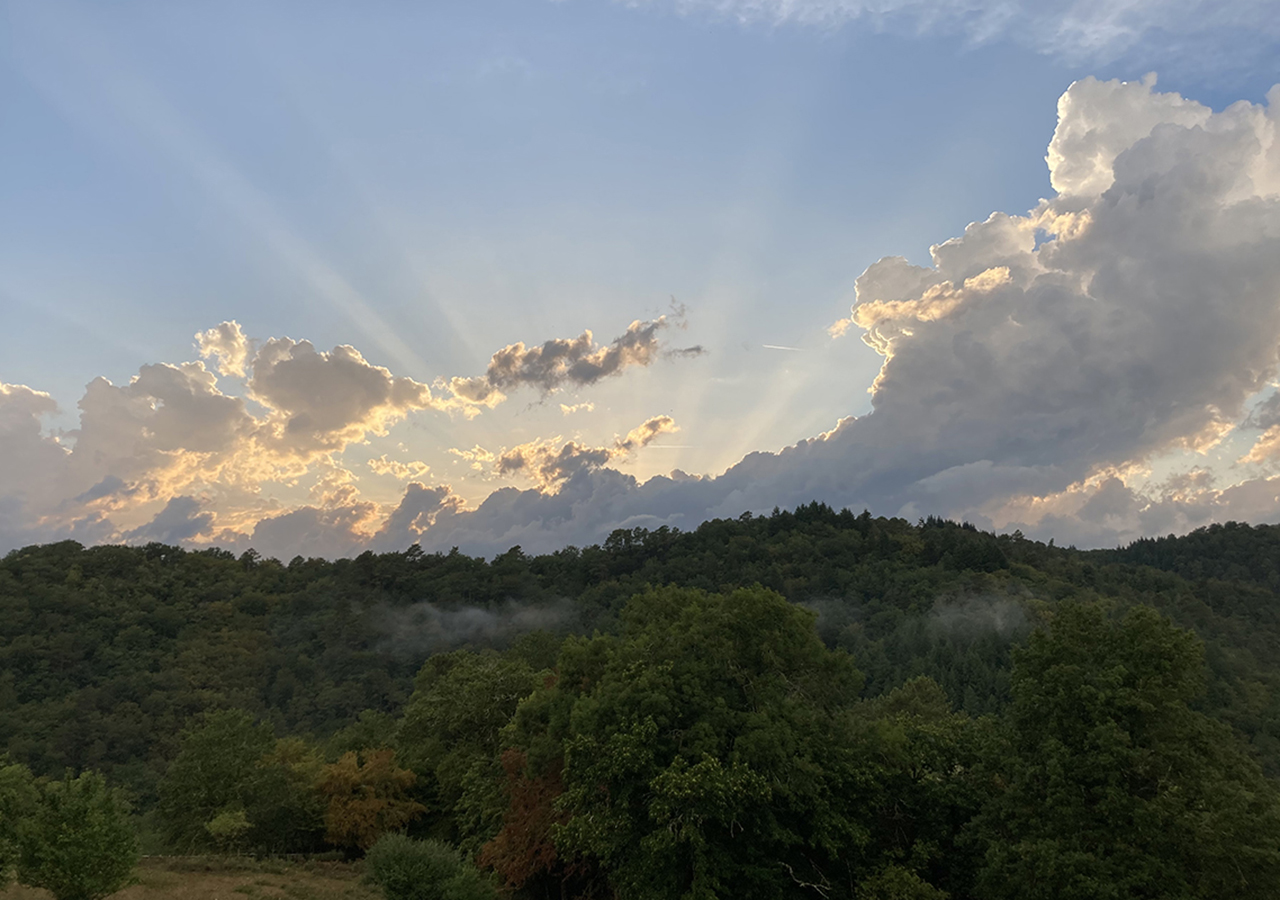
(1060, 371)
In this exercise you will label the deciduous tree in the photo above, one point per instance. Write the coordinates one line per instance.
(79, 842)
(368, 796)
(1117, 788)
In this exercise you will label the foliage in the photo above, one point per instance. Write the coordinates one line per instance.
(228, 829)
(408, 869)
(705, 758)
(107, 652)
(229, 766)
(18, 802)
(79, 842)
(523, 849)
(1116, 787)
(450, 737)
(712, 737)
(283, 805)
(367, 797)
(897, 883)
(208, 777)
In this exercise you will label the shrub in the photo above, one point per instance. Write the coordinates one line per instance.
(79, 842)
(407, 869)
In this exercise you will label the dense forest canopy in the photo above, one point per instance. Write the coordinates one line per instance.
(615, 718)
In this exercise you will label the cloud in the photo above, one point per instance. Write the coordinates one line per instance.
(181, 520)
(311, 531)
(564, 362)
(396, 469)
(1040, 363)
(217, 461)
(32, 462)
(417, 512)
(1204, 32)
(549, 463)
(227, 343)
(1033, 377)
(167, 428)
(1265, 415)
(324, 401)
(570, 409)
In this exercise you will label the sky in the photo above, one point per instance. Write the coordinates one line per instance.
(316, 278)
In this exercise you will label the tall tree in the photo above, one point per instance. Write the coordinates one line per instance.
(1117, 788)
(208, 777)
(450, 736)
(708, 754)
(18, 802)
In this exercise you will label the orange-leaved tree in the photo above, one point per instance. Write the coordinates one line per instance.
(525, 848)
(368, 796)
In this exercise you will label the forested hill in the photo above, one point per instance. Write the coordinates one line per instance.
(1230, 552)
(909, 710)
(106, 652)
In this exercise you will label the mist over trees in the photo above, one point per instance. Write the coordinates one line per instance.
(808, 704)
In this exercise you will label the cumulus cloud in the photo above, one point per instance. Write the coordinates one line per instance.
(171, 435)
(325, 401)
(181, 520)
(564, 362)
(548, 463)
(311, 531)
(228, 345)
(1077, 30)
(167, 428)
(31, 461)
(1042, 360)
(1032, 377)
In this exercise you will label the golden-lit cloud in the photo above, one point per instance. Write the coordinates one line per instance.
(228, 345)
(396, 469)
(322, 401)
(172, 455)
(548, 463)
(1266, 448)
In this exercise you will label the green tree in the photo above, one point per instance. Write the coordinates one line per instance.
(708, 752)
(928, 784)
(229, 768)
(79, 844)
(1117, 788)
(282, 799)
(450, 736)
(210, 775)
(18, 801)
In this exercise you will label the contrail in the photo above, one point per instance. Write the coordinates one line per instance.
(780, 347)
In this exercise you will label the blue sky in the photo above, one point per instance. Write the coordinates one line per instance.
(432, 183)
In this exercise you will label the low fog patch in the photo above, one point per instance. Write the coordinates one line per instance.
(425, 628)
(967, 618)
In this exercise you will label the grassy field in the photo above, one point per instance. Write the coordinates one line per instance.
(212, 878)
